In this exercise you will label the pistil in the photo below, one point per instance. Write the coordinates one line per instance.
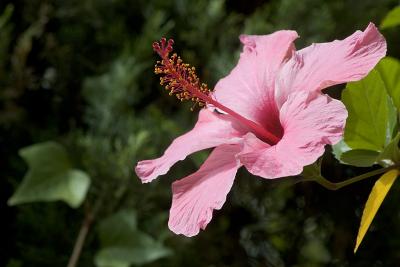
(181, 80)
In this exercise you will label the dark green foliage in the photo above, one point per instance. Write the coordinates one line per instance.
(81, 73)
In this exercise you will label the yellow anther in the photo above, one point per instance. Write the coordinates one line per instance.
(180, 79)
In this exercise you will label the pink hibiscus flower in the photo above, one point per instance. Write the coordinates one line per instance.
(267, 115)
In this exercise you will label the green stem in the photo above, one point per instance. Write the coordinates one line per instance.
(83, 231)
(335, 186)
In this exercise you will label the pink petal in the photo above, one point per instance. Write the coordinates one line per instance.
(310, 121)
(249, 88)
(197, 195)
(322, 65)
(210, 130)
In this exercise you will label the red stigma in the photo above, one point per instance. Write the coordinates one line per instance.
(163, 48)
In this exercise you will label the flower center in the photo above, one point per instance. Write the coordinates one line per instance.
(181, 80)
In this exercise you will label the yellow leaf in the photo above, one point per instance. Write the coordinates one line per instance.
(375, 199)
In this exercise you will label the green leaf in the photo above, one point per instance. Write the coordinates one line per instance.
(375, 199)
(389, 69)
(391, 154)
(339, 149)
(122, 244)
(356, 157)
(393, 126)
(50, 177)
(372, 118)
(369, 113)
(359, 157)
(392, 19)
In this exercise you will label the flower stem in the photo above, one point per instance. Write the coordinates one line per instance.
(80, 240)
(335, 186)
(73, 260)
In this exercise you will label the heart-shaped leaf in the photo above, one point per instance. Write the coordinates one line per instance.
(50, 177)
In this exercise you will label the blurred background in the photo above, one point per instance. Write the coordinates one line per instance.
(80, 73)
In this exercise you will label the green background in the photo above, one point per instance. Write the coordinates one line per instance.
(81, 73)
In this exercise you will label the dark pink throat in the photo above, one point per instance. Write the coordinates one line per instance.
(254, 127)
